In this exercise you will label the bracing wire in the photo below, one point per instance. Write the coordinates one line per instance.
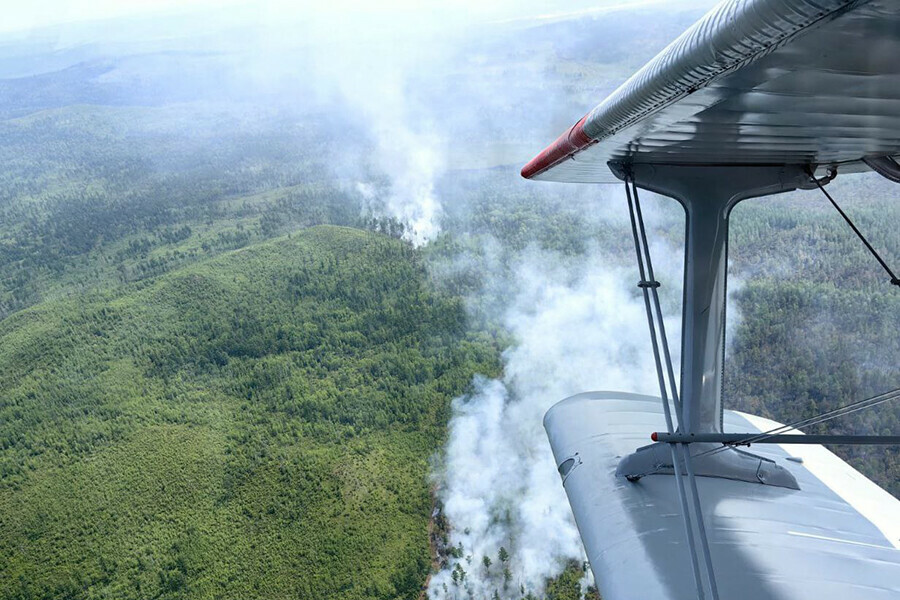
(814, 420)
(872, 251)
(654, 289)
(649, 287)
(645, 285)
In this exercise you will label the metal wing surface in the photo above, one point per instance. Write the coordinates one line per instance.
(753, 82)
(837, 537)
(740, 105)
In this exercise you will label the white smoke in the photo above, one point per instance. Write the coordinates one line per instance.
(578, 323)
(413, 161)
(412, 157)
(578, 328)
(733, 308)
(373, 66)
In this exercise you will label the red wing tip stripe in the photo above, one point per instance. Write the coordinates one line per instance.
(570, 142)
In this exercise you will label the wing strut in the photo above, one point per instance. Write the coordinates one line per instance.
(680, 452)
(894, 279)
(781, 435)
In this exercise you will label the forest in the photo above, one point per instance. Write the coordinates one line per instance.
(220, 429)
(226, 370)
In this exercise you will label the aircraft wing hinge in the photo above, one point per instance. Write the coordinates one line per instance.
(731, 463)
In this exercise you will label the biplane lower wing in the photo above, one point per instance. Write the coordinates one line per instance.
(837, 537)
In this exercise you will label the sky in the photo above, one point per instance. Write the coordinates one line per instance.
(27, 16)
(24, 16)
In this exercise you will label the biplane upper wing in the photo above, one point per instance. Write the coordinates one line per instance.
(745, 103)
(753, 82)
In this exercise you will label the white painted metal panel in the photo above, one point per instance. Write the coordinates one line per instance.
(754, 82)
(834, 539)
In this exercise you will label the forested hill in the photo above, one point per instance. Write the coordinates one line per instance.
(222, 372)
(257, 425)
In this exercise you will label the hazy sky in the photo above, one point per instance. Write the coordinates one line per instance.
(40, 13)
(26, 16)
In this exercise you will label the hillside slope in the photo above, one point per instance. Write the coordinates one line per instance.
(257, 425)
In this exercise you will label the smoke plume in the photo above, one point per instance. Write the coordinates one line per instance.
(577, 321)
(578, 328)
(378, 76)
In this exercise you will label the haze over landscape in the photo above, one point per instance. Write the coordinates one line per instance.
(281, 319)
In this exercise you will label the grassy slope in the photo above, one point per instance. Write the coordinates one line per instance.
(254, 425)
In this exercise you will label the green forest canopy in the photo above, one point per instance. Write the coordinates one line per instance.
(255, 425)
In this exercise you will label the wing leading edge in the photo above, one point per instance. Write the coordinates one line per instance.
(753, 82)
(763, 89)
